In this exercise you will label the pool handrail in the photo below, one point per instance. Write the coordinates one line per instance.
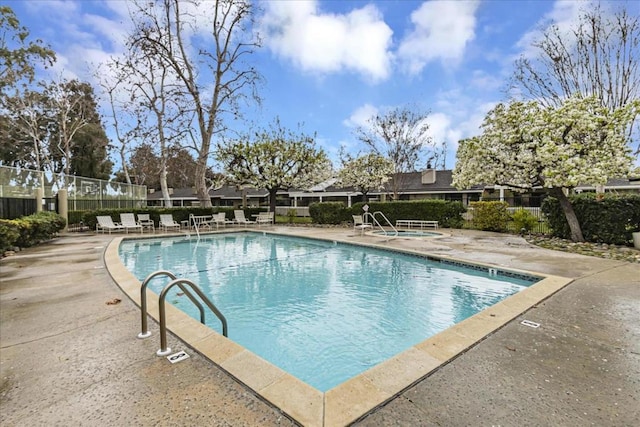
(164, 350)
(376, 222)
(143, 300)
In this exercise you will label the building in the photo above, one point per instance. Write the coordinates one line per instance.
(427, 184)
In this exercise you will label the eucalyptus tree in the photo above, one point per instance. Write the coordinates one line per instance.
(18, 56)
(401, 135)
(77, 141)
(274, 159)
(596, 56)
(154, 102)
(25, 136)
(366, 172)
(201, 46)
(22, 133)
(525, 145)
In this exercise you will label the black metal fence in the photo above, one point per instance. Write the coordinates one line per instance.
(16, 207)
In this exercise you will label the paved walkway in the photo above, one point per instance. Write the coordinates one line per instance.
(67, 357)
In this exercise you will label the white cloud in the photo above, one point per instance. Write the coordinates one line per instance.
(441, 31)
(564, 15)
(324, 43)
(440, 129)
(361, 116)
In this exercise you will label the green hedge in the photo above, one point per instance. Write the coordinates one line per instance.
(448, 214)
(9, 233)
(30, 230)
(329, 213)
(605, 218)
(490, 216)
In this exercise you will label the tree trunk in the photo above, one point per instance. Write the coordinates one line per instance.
(163, 186)
(201, 183)
(570, 215)
(272, 199)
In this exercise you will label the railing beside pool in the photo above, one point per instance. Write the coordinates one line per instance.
(164, 350)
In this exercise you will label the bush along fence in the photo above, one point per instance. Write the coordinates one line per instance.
(604, 218)
(448, 214)
(29, 230)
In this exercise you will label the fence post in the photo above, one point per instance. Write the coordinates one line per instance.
(63, 207)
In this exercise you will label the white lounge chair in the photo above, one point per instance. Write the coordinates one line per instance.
(106, 223)
(220, 219)
(167, 222)
(359, 224)
(128, 221)
(146, 222)
(265, 218)
(240, 218)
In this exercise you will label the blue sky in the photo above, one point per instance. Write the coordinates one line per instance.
(332, 64)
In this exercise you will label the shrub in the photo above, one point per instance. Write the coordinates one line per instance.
(292, 214)
(524, 220)
(608, 218)
(490, 216)
(329, 213)
(9, 233)
(37, 228)
(448, 214)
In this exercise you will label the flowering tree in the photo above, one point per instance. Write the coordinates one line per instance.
(366, 173)
(274, 159)
(525, 145)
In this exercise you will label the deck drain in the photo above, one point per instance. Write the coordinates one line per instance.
(530, 324)
(178, 357)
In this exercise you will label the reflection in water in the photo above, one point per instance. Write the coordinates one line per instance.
(323, 312)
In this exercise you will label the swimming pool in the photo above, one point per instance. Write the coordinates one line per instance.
(322, 311)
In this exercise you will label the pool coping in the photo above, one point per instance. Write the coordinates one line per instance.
(357, 396)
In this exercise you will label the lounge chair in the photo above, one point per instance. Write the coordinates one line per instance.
(167, 222)
(106, 223)
(146, 222)
(128, 221)
(359, 224)
(220, 219)
(265, 218)
(240, 218)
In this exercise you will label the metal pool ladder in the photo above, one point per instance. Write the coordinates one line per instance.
(375, 221)
(164, 350)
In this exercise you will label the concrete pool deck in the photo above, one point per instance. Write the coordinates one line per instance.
(67, 357)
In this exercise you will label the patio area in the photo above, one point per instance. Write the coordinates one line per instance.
(69, 353)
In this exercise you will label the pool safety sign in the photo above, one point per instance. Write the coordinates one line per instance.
(178, 357)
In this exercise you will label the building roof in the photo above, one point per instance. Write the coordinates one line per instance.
(411, 183)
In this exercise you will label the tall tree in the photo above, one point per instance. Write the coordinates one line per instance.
(400, 135)
(145, 164)
(525, 145)
(274, 159)
(20, 106)
(78, 140)
(18, 57)
(159, 105)
(25, 137)
(365, 173)
(213, 75)
(597, 56)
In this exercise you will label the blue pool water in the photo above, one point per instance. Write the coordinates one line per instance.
(324, 312)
